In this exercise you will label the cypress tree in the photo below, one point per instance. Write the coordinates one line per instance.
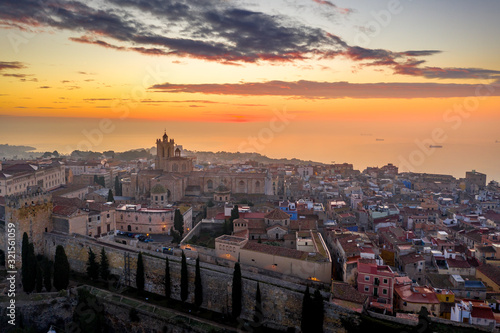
(110, 196)
(47, 274)
(305, 323)
(25, 271)
(29, 281)
(184, 278)
(104, 265)
(92, 266)
(317, 312)
(118, 187)
(198, 287)
(61, 267)
(258, 315)
(139, 277)
(237, 293)
(168, 290)
(179, 222)
(235, 214)
(39, 277)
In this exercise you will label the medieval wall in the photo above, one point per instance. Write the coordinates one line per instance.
(31, 213)
(282, 300)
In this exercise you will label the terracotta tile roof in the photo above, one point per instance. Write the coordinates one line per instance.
(303, 224)
(275, 250)
(252, 215)
(414, 294)
(482, 312)
(346, 292)
(276, 226)
(277, 214)
(411, 258)
(65, 210)
(491, 272)
(457, 263)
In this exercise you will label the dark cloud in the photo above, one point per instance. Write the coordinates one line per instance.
(218, 30)
(313, 89)
(11, 64)
(44, 87)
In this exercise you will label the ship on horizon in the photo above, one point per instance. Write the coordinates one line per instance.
(435, 146)
(379, 139)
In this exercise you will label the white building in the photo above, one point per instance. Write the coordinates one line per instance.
(16, 178)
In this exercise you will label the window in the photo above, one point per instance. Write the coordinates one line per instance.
(384, 291)
(108, 216)
(367, 278)
(136, 228)
(385, 281)
(367, 288)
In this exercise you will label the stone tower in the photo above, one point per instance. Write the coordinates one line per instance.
(30, 212)
(168, 157)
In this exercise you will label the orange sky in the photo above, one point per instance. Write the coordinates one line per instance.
(215, 75)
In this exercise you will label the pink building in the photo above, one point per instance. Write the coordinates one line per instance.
(376, 281)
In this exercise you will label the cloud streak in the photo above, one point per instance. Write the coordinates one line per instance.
(329, 90)
(218, 31)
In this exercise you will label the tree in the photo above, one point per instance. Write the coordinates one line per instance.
(118, 186)
(25, 247)
(29, 271)
(104, 265)
(25, 269)
(198, 287)
(110, 196)
(39, 277)
(258, 315)
(176, 238)
(47, 274)
(236, 291)
(179, 222)
(168, 289)
(88, 315)
(61, 267)
(235, 214)
(317, 312)
(184, 278)
(139, 276)
(92, 266)
(305, 323)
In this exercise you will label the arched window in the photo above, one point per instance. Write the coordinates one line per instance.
(184, 167)
(241, 186)
(257, 185)
(177, 152)
(210, 184)
(175, 167)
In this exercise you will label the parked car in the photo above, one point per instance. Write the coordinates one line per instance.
(168, 250)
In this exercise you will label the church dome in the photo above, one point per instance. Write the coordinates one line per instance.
(158, 189)
(222, 189)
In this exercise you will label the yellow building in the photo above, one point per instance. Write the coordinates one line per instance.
(490, 275)
(447, 300)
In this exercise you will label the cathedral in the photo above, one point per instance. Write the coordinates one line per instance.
(173, 178)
